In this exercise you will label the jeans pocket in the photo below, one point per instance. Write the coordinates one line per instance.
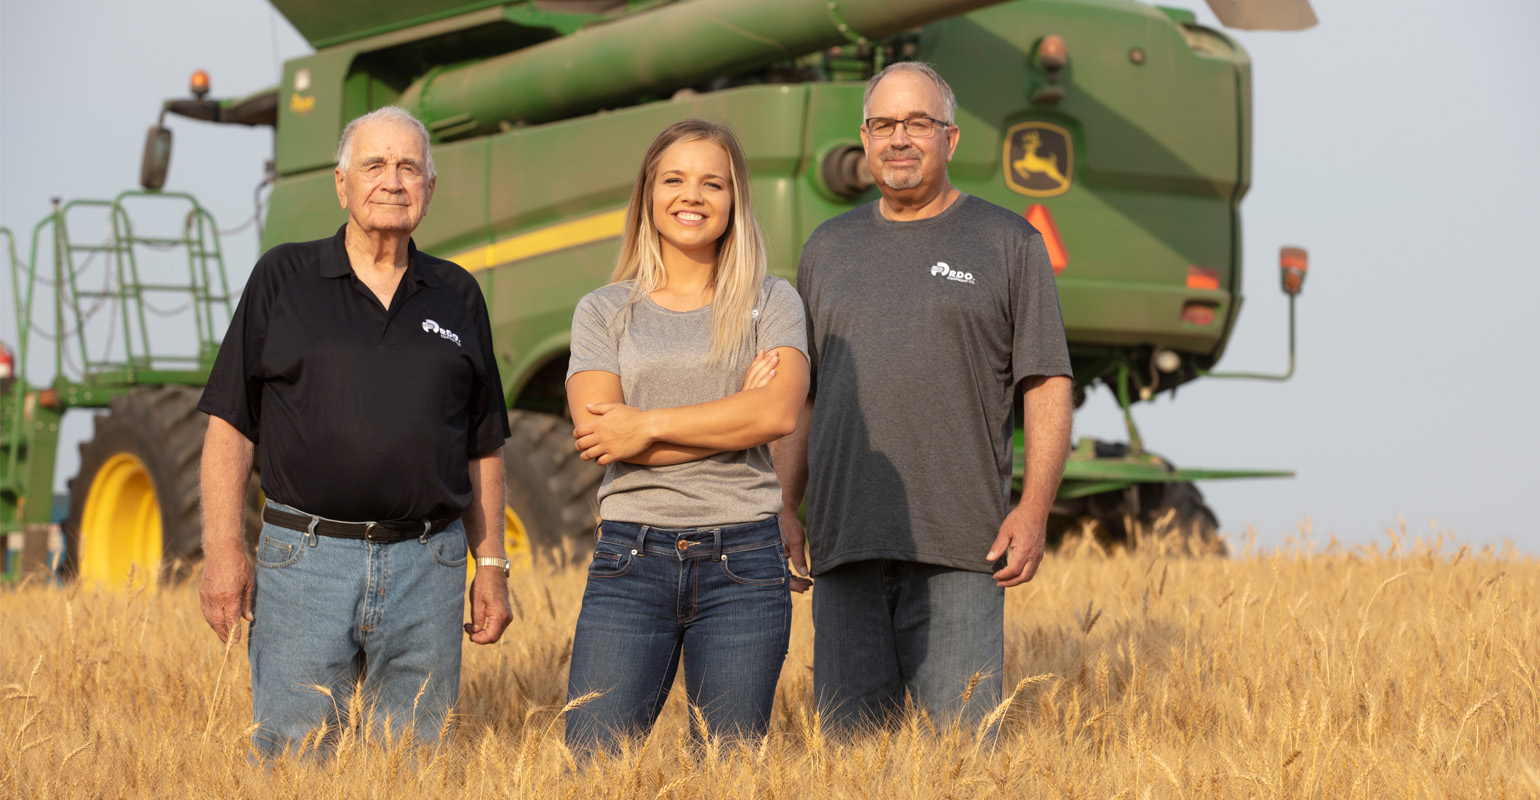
(610, 560)
(275, 554)
(762, 566)
(449, 547)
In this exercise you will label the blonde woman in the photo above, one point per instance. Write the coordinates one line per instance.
(683, 369)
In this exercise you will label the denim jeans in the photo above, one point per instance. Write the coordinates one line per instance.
(330, 611)
(881, 627)
(719, 596)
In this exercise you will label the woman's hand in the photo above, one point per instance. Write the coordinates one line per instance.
(616, 432)
(761, 371)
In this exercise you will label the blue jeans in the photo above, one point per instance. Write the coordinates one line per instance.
(331, 611)
(882, 627)
(718, 595)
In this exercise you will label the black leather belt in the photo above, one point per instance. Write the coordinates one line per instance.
(368, 531)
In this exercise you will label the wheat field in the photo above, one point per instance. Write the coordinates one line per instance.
(1407, 669)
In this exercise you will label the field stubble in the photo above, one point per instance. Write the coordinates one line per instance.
(1405, 670)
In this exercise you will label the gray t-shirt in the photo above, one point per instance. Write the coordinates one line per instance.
(660, 356)
(920, 332)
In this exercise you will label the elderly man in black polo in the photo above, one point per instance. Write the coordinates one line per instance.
(364, 367)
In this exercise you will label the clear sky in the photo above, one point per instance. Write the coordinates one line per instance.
(1399, 141)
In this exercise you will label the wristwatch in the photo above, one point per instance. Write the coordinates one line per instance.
(501, 563)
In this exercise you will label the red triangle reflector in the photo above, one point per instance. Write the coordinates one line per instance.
(1038, 215)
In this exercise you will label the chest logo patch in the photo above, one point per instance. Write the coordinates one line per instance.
(429, 326)
(941, 269)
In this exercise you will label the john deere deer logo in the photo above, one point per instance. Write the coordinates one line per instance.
(1039, 159)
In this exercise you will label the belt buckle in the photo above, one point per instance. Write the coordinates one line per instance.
(369, 529)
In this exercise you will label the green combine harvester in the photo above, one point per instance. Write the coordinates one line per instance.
(1121, 130)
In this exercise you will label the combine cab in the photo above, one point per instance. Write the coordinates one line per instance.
(1119, 129)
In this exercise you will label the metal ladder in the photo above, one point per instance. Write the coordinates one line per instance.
(29, 414)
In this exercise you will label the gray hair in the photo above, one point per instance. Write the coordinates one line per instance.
(394, 114)
(948, 100)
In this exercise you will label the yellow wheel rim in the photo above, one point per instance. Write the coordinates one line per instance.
(120, 534)
(515, 541)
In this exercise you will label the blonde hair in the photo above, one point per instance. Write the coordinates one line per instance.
(740, 267)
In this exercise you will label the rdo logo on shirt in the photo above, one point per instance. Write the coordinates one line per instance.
(429, 326)
(941, 268)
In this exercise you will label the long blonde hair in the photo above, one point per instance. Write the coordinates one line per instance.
(740, 267)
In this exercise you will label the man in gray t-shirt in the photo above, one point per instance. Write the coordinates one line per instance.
(926, 311)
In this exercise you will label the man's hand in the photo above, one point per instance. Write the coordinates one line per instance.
(761, 371)
(490, 611)
(617, 432)
(1023, 539)
(792, 538)
(225, 594)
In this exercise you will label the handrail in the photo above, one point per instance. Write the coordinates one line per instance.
(124, 293)
(10, 248)
(127, 285)
(1262, 376)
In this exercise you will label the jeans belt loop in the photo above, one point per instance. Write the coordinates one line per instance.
(641, 540)
(716, 545)
(310, 536)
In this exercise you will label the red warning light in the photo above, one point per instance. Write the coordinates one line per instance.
(1198, 314)
(1202, 278)
(1058, 256)
(1293, 261)
(1052, 52)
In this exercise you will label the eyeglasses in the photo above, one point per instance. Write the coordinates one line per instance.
(916, 127)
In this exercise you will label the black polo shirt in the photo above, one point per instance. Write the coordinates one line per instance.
(362, 413)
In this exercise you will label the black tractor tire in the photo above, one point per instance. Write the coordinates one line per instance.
(1165, 509)
(145, 450)
(552, 490)
(1153, 508)
(1179, 508)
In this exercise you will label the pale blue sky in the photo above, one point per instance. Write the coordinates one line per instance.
(1397, 141)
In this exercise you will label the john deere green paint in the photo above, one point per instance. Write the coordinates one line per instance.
(1122, 130)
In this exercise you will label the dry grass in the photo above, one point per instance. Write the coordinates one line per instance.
(1409, 670)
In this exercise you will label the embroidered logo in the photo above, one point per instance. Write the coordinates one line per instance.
(429, 326)
(941, 268)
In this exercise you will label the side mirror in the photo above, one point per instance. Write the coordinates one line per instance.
(1292, 264)
(157, 158)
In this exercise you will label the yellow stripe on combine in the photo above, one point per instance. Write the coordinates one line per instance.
(546, 240)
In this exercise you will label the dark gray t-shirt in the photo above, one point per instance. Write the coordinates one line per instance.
(920, 332)
(660, 357)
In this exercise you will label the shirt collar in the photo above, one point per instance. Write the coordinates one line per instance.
(335, 264)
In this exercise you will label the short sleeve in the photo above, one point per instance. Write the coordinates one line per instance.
(594, 343)
(1038, 347)
(782, 322)
(488, 427)
(234, 389)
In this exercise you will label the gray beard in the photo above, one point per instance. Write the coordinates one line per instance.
(898, 179)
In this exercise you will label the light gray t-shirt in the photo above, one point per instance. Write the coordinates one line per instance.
(920, 333)
(660, 357)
